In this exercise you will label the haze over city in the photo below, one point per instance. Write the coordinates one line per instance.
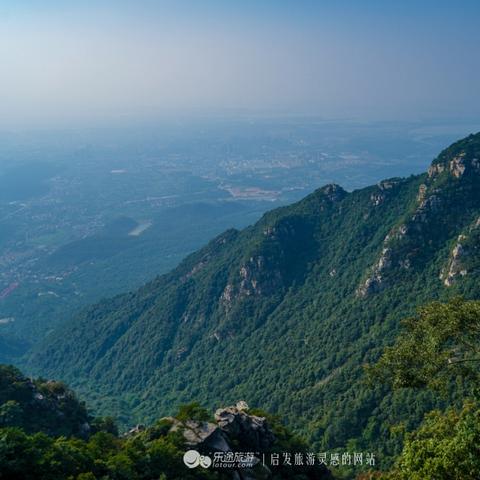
(86, 63)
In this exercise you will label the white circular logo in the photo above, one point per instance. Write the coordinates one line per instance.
(205, 461)
(191, 459)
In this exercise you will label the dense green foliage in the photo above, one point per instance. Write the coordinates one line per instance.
(439, 344)
(40, 439)
(40, 406)
(438, 349)
(102, 456)
(446, 446)
(279, 314)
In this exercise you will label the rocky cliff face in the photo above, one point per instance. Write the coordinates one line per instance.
(255, 277)
(450, 186)
(464, 255)
(455, 266)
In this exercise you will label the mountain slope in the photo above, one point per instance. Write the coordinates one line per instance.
(285, 312)
(39, 405)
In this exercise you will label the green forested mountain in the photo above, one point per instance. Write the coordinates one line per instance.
(285, 313)
(40, 406)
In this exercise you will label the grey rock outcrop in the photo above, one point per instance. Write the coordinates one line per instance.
(333, 192)
(234, 430)
(457, 263)
(250, 430)
(233, 425)
(202, 435)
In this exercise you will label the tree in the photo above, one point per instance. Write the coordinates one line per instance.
(11, 414)
(441, 342)
(446, 446)
(193, 411)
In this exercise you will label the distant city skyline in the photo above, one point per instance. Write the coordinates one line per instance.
(97, 62)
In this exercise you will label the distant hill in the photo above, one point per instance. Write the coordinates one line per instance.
(285, 313)
(40, 406)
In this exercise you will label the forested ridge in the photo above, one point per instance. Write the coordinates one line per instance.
(286, 313)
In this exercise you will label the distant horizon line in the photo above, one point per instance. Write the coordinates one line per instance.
(179, 115)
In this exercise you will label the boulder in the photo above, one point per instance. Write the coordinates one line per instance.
(249, 431)
(203, 436)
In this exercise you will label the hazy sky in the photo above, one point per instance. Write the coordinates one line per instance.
(88, 61)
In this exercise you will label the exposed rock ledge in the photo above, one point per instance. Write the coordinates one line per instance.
(232, 424)
(456, 265)
(234, 429)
